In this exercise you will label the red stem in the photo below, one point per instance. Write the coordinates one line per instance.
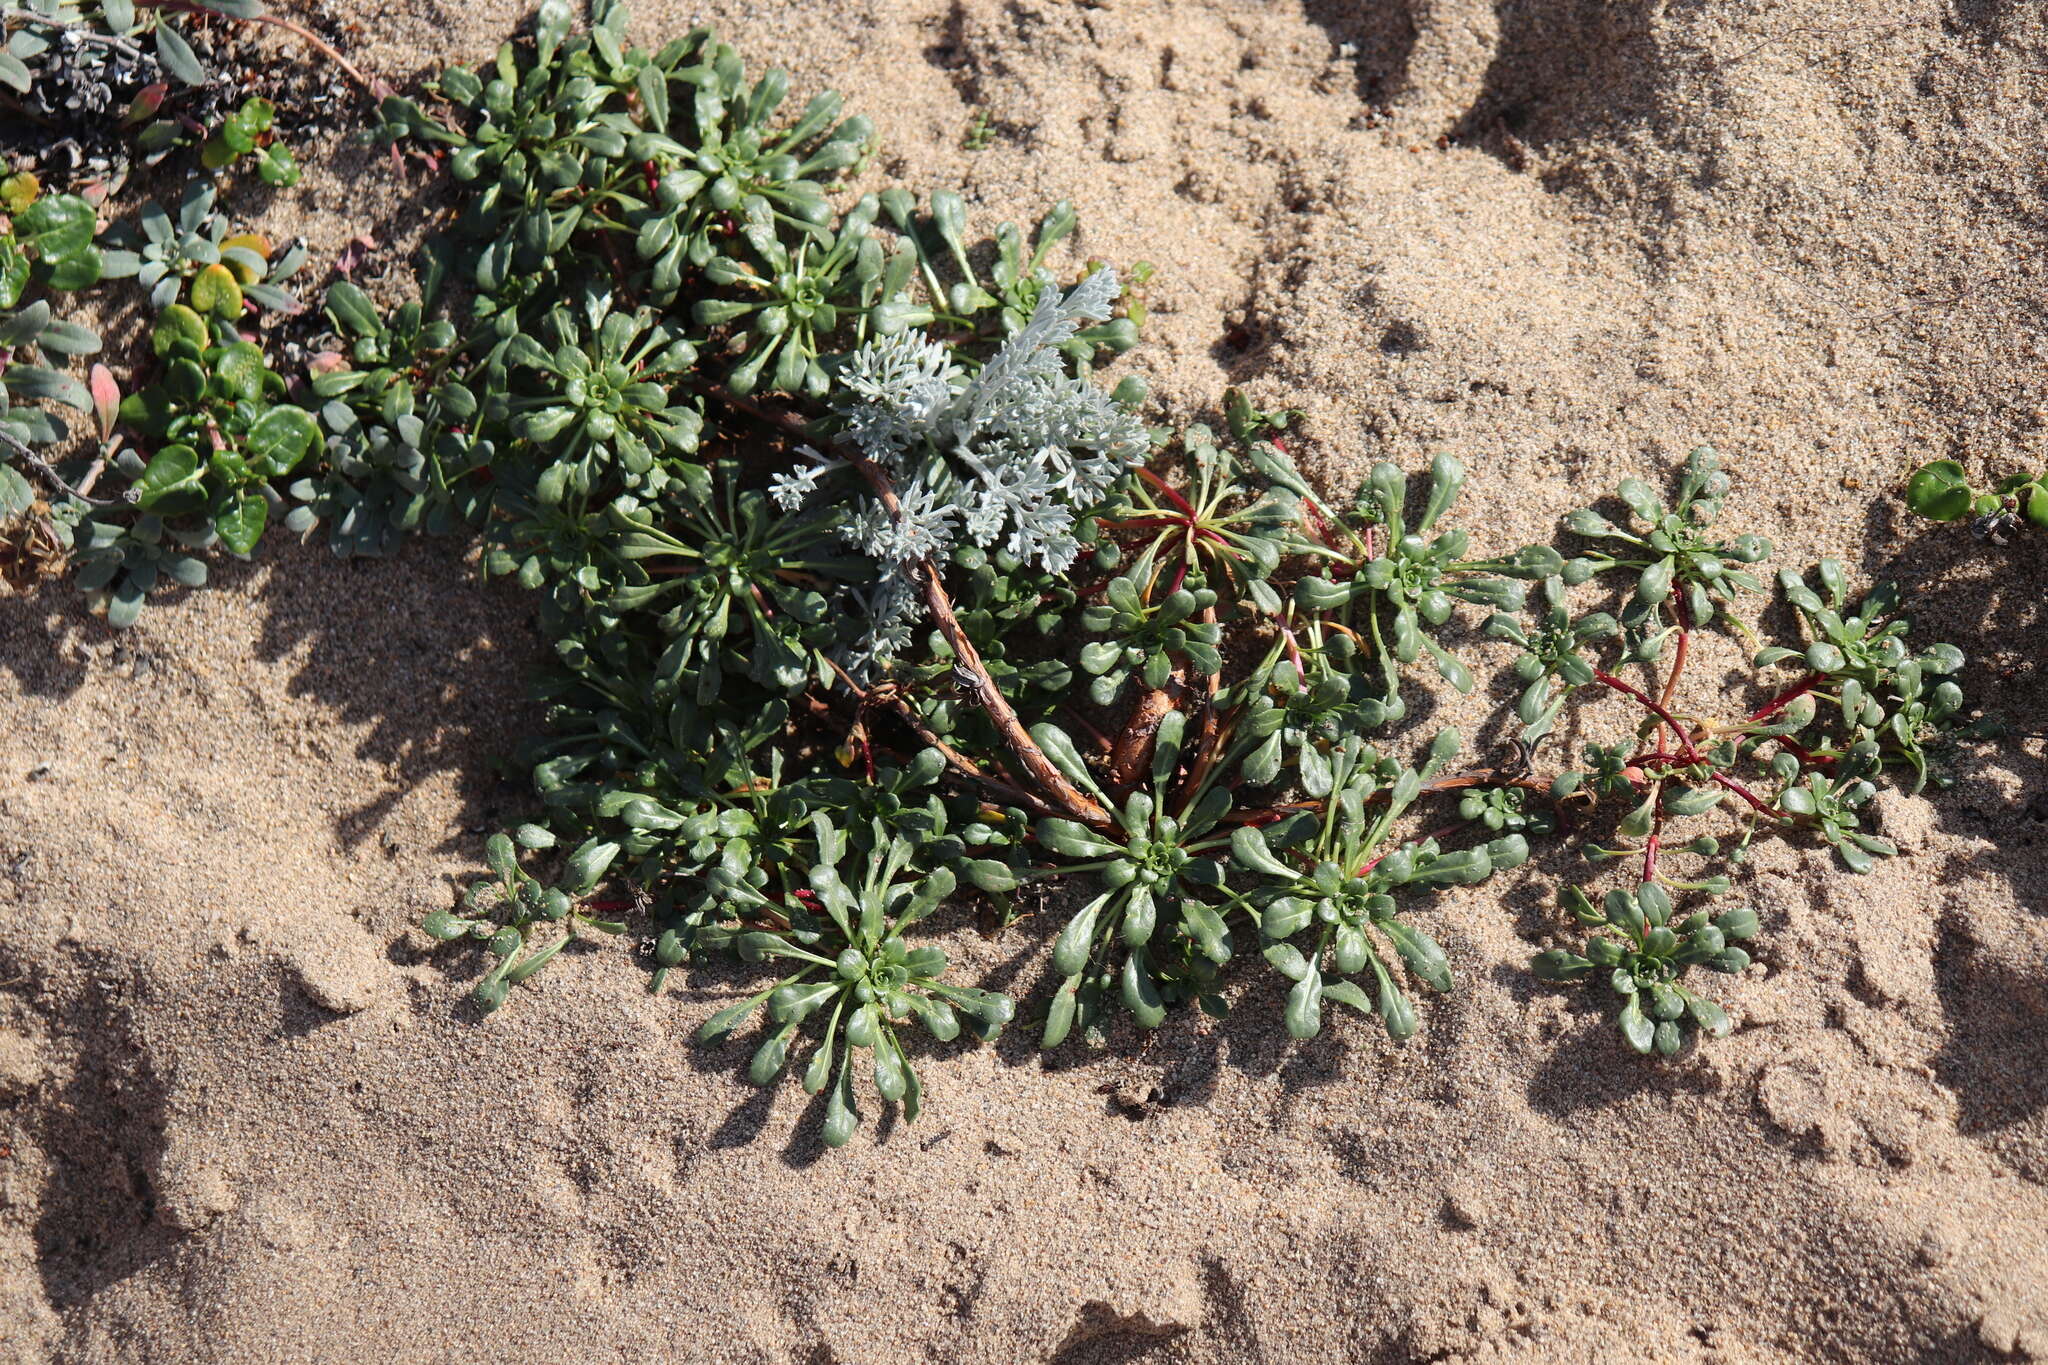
(1317, 524)
(1161, 523)
(1692, 753)
(1788, 696)
(1746, 794)
(1294, 652)
(1374, 862)
(1163, 486)
(1804, 754)
(1656, 839)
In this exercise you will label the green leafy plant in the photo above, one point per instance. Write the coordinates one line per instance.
(211, 430)
(1645, 956)
(48, 246)
(197, 258)
(849, 964)
(980, 134)
(247, 133)
(1399, 584)
(509, 909)
(1330, 879)
(1940, 490)
(1138, 942)
(1148, 637)
(1803, 762)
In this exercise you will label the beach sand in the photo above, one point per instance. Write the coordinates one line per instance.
(246, 1114)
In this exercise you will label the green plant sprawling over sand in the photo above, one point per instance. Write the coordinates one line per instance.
(866, 594)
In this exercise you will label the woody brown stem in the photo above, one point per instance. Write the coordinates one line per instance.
(1061, 794)
(781, 419)
(966, 766)
(1485, 777)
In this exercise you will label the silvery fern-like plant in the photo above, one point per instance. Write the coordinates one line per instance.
(1009, 456)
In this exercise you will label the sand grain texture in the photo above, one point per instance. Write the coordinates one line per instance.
(247, 1117)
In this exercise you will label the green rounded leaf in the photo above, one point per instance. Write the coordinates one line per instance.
(1636, 1026)
(238, 371)
(171, 469)
(1939, 491)
(1712, 1019)
(990, 875)
(281, 438)
(175, 324)
(841, 1118)
(2035, 505)
(1059, 1019)
(443, 925)
(57, 226)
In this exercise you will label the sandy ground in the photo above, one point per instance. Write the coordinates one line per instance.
(244, 1115)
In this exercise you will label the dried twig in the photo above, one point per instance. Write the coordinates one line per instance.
(297, 30)
(1061, 796)
(82, 32)
(48, 472)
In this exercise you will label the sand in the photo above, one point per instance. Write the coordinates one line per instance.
(244, 1115)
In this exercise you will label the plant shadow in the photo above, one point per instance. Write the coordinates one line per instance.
(439, 691)
(1995, 1059)
(1990, 602)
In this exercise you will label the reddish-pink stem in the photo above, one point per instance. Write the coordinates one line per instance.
(1172, 495)
(1294, 652)
(1804, 754)
(1375, 861)
(1692, 753)
(1746, 794)
(1788, 696)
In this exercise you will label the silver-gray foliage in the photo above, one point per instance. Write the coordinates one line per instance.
(1008, 456)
